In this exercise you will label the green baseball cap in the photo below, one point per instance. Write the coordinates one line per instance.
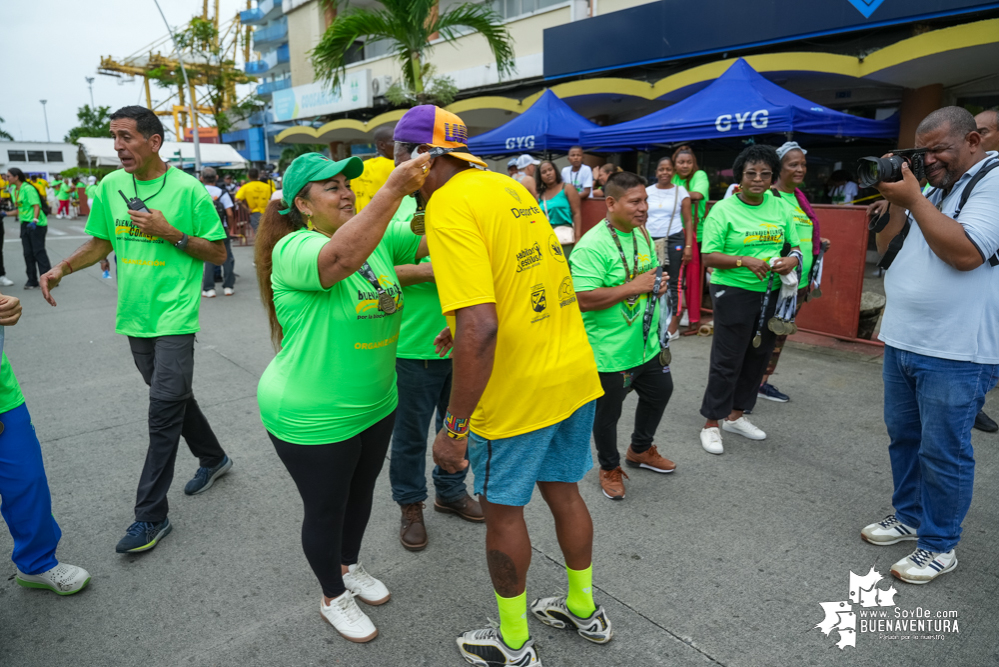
(314, 167)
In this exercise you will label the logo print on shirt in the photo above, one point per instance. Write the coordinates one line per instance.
(538, 300)
(566, 292)
(513, 193)
(766, 234)
(529, 258)
(555, 248)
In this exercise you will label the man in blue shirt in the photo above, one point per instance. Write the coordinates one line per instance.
(941, 339)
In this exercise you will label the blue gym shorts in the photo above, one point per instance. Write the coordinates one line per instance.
(507, 469)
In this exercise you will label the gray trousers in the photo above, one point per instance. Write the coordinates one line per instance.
(167, 365)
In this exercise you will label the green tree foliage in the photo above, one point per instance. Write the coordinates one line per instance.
(93, 123)
(409, 25)
(289, 154)
(4, 134)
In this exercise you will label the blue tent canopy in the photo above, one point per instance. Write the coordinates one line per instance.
(549, 125)
(738, 103)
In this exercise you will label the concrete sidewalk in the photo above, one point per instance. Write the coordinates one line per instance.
(724, 562)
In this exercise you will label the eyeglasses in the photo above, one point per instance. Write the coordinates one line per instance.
(762, 176)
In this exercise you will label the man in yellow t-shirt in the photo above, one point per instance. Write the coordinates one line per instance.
(255, 194)
(376, 170)
(505, 288)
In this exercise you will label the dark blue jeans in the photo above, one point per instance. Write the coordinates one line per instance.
(424, 386)
(930, 407)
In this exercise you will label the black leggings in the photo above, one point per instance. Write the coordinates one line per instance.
(337, 484)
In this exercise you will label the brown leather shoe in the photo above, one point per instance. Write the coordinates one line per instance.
(412, 532)
(650, 460)
(611, 483)
(467, 508)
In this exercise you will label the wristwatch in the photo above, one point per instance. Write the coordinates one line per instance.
(738, 261)
(182, 243)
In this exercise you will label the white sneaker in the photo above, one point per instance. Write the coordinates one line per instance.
(922, 566)
(348, 619)
(684, 319)
(228, 291)
(5, 281)
(889, 531)
(364, 586)
(743, 427)
(59, 216)
(675, 335)
(208, 294)
(711, 440)
(63, 579)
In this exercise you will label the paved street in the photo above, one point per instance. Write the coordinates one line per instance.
(724, 562)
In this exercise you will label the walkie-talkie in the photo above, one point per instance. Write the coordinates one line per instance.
(134, 204)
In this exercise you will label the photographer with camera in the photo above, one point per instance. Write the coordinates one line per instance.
(941, 247)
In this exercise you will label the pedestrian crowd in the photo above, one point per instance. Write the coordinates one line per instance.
(425, 289)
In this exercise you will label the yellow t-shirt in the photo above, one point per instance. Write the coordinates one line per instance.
(490, 243)
(42, 186)
(376, 172)
(256, 195)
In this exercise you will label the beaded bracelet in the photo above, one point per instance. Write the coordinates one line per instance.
(457, 426)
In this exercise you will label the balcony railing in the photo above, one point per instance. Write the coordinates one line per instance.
(279, 56)
(276, 32)
(260, 13)
(271, 87)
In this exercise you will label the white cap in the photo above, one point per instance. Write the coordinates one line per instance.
(789, 146)
(91, 180)
(512, 162)
(526, 160)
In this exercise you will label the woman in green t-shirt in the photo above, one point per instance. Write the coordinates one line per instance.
(34, 226)
(560, 204)
(695, 182)
(328, 398)
(747, 238)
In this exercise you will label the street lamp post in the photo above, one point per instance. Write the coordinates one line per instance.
(90, 84)
(47, 137)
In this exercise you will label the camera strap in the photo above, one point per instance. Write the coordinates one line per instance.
(895, 245)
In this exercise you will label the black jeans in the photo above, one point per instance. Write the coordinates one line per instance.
(33, 242)
(167, 365)
(337, 484)
(208, 279)
(3, 271)
(736, 366)
(654, 386)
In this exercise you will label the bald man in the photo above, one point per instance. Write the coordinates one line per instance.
(377, 169)
(988, 127)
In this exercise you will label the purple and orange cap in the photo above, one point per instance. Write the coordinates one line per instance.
(435, 127)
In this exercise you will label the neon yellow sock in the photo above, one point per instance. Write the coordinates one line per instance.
(513, 619)
(580, 600)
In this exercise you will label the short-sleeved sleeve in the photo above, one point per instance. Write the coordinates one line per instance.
(401, 242)
(699, 183)
(97, 221)
(296, 262)
(207, 224)
(241, 193)
(462, 269)
(713, 235)
(587, 181)
(589, 271)
(980, 215)
(225, 199)
(790, 226)
(681, 193)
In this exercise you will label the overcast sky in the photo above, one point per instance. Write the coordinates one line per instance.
(50, 46)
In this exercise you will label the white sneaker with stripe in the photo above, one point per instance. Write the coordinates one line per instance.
(888, 531)
(922, 566)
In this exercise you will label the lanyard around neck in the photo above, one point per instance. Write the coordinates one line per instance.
(135, 186)
(629, 273)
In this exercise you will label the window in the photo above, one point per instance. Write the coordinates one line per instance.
(377, 48)
(36, 156)
(509, 9)
(53, 156)
(16, 156)
(355, 52)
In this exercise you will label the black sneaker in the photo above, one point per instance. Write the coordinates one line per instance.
(554, 612)
(771, 393)
(143, 536)
(486, 648)
(205, 477)
(985, 423)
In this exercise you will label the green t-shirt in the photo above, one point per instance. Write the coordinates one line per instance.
(422, 320)
(736, 228)
(10, 392)
(27, 198)
(804, 226)
(91, 191)
(698, 183)
(159, 286)
(335, 373)
(615, 333)
(64, 191)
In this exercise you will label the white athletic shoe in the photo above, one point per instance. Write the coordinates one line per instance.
(364, 586)
(711, 440)
(63, 579)
(555, 612)
(922, 566)
(348, 619)
(5, 281)
(889, 531)
(208, 294)
(743, 427)
(684, 319)
(228, 291)
(486, 648)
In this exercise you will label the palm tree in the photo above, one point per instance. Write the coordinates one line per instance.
(409, 25)
(4, 134)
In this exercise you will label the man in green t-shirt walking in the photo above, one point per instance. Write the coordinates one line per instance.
(161, 253)
(614, 271)
(424, 381)
(34, 225)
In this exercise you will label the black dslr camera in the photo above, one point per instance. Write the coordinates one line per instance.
(873, 170)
